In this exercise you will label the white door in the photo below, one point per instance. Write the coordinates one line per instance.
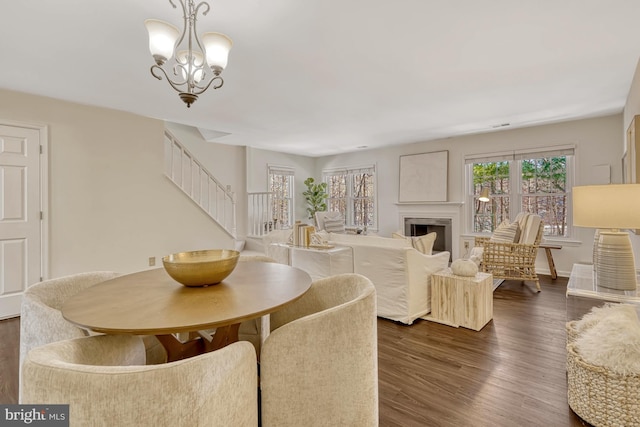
(20, 217)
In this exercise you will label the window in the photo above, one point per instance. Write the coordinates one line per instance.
(281, 189)
(352, 192)
(529, 181)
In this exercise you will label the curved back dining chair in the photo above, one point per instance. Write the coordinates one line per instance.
(41, 320)
(319, 365)
(105, 382)
(250, 329)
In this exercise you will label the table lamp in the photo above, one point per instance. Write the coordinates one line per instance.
(484, 195)
(610, 208)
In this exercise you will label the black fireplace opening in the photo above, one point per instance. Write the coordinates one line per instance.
(440, 226)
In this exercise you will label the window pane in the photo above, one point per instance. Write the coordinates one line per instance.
(553, 211)
(543, 191)
(495, 176)
(544, 186)
(352, 193)
(281, 187)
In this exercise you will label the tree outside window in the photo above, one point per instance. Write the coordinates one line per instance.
(352, 193)
(536, 183)
(281, 189)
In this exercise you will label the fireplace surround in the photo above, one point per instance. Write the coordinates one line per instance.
(441, 226)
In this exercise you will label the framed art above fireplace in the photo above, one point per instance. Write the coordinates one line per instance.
(423, 177)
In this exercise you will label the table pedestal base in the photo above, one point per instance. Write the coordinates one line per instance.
(199, 342)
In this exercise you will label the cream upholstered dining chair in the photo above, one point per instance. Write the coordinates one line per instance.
(319, 365)
(41, 320)
(510, 253)
(250, 329)
(105, 382)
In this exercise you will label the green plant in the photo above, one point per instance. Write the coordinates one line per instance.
(316, 196)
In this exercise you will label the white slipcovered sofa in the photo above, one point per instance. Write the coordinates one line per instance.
(400, 273)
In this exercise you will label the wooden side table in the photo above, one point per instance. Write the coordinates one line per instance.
(547, 250)
(461, 301)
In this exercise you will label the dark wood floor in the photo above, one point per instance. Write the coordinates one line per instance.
(511, 373)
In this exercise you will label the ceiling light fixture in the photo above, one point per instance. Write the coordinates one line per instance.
(191, 75)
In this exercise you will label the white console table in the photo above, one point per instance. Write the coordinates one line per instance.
(318, 262)
(582, 294)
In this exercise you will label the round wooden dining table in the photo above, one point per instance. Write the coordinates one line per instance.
(152, 303)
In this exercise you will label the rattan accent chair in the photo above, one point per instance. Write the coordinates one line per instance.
(514, 261)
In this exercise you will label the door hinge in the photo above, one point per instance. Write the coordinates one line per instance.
(41, 149)
(41, 215)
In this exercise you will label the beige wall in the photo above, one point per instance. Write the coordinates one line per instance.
(111, 207)
(632, 106)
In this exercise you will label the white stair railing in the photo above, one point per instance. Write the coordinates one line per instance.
(203, 188)
(260, 208)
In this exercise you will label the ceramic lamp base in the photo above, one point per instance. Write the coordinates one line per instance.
(614, 262)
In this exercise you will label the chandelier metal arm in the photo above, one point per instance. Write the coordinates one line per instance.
(217, 86)
(173, 84)
(176, 85)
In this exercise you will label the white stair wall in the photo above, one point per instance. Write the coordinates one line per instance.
(199, 184)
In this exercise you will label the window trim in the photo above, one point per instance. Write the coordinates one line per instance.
(515, 158)
(349, 171)
(273, 169)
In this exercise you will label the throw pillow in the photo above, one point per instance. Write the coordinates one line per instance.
(506, 232)
(425, 243)
(334, 225)
(399, 235)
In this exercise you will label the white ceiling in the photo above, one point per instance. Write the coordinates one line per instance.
(320, 77)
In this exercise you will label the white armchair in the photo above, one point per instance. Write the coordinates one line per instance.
(105, 382)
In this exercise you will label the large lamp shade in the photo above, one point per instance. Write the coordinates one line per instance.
(610, 208)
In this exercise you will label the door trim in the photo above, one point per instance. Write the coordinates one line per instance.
(43, 131)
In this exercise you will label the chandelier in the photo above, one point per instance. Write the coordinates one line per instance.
(197, 64)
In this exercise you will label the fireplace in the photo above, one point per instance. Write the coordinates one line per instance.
(440, 226)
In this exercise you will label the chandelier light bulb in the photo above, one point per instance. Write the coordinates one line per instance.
(162, 39)
(196, 64)
(217, 47)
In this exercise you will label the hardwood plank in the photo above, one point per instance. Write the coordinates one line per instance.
(9, 360)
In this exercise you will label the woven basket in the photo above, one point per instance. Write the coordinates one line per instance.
(600, 396)
(572, 332)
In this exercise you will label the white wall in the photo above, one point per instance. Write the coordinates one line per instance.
(597, 142)
(257, 162)
(111, 207)
(225, 162)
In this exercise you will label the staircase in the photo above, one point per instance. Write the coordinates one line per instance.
(196, 182)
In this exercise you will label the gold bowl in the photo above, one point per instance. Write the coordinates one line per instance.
(201, 268)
